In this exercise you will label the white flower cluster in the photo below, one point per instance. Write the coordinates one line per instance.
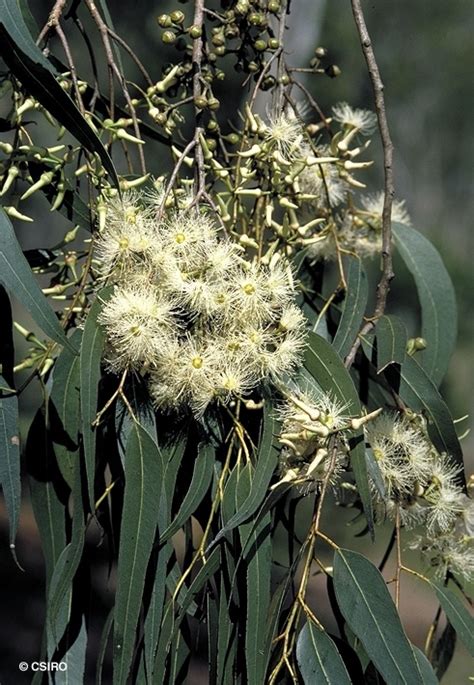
(189, 309)
(422, 485)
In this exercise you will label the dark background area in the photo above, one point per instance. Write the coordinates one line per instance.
(424, 50)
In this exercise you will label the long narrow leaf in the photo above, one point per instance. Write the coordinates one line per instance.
(365, 603)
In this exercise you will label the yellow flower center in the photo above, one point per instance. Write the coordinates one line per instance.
(248, 288)
(124, 243)
(220, 299)
(131, 216)
(135, 330)
(230, 383)
(378, 454)
(180, 238)
(197, 362)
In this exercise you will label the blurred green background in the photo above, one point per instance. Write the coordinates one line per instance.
(424, 51)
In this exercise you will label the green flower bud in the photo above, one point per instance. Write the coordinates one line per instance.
(242, 7)
(285, 79)
(200, 102)
(274, 6)
(177, 16)
(320, 52)
(211, 144)
(168, 37)
(273, 43)
(232, 138)
(220, 51)
(260, 45)
(255, 18)
(195, 31)
(213, 104)
(164, 20)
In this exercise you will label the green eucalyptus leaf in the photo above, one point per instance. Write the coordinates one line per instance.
(48, 498)
(458, 615)
(391, 337)
(437, 299)
(75, 659)
(65, 411)
(426, 669)
(141, 506)
(102, 647)
(10, 457)
(93, 340)
(366, 604)
(26, 61)
(318, 658)
(7, 351)
(60, 589)
(267, 460)
(200, 482)
(353, 308)
(16, 276)
(329, 372)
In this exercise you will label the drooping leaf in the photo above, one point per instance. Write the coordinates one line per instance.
(26, 61)
(143, 480)
(104, 639)
(155, 608)
(93, 340)
(391, 337)
(353, 308)
(16, 276)
(426, 669)
(365, 603)
(437, 299)
(65, 410)
(418, 391)
(318, 658)
(48, 498)
(329, 372)
(458, 615)
(60, 589)
(10, 457)
(267, 460)
(200, 482)
(257, 559)
(7, 354)
(75, 660)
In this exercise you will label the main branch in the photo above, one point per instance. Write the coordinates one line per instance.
(389, 188)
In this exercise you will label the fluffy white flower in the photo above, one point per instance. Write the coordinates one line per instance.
(373, 205)
(284, 133)
(362, 120)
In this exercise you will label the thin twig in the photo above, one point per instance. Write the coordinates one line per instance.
(389, 189)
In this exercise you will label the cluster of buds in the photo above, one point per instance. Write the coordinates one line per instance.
(314, 438)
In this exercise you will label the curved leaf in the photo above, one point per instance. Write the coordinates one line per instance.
(30, 66)
(65, 410)
(391, 337)
(426, 669)
(329, 372)
(353, 308)
(16, 276)
(267, 460)
(141, 505)
(458, 616)
(10, 457)
(200, 482)
(318, 658)
(436, 295)
(365, 603)
(93, 340)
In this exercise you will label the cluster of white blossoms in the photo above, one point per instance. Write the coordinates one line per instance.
(314, 428)
(315, 182)
(189, 310)
(423, 486)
